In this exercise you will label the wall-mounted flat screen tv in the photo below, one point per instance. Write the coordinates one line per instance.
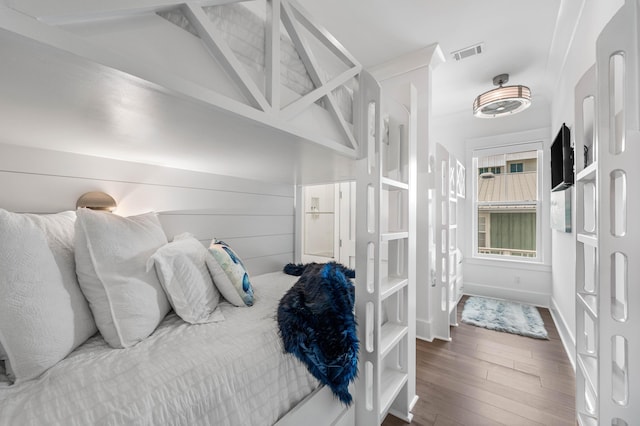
(562, 160)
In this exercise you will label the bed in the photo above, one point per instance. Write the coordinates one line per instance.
(114, 115)
(228, 373)
(214, 356)
(188, 63)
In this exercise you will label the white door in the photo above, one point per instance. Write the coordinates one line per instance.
(320, 223)
(347, 224)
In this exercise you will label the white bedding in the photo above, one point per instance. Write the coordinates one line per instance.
(228, 373)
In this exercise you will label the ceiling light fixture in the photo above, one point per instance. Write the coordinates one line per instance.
(505, 100)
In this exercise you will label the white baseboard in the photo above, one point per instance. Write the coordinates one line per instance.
(516, 295)
(423, 327)
(423, 330)
(568, 340)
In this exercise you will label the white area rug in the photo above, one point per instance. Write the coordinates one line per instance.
(501, 315)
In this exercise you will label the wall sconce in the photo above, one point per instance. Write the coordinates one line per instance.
(97, 201)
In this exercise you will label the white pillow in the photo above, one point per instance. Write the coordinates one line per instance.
(43, 314)
(182, 271)
(229, 274)
(127, 301)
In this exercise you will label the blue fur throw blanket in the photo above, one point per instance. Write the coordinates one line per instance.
(318, 326)
(300, 268)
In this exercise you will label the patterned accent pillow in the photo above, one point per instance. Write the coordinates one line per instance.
(229, 274)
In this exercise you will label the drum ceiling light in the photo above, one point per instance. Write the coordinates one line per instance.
(505, 100)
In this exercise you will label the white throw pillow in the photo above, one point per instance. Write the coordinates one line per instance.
(229, 274)
(127, 301)
(43, 314)
(182, 271)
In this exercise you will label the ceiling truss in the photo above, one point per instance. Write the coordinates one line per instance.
(280, 13)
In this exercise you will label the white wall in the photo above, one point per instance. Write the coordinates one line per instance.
(457, 132)
(454, 130)
(320, 234)
(579, 57)
(255, 218)
(512, 279)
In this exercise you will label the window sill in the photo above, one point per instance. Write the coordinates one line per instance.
(529, 265)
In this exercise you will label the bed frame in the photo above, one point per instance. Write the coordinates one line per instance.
(70, 55)
(66, 38)
(206, 205)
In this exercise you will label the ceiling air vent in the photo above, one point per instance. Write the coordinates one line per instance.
(476, 49)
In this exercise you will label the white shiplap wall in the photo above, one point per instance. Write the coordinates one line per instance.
(255, 218)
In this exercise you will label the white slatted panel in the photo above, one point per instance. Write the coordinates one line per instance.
(225, 226)
(255, 218)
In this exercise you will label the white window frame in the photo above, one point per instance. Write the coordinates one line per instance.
(531, 140)
(478, 230)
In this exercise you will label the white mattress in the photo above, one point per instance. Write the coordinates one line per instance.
(229, 373)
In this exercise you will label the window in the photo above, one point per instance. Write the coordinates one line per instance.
(494, 170)
(482, 232)
(507, 205)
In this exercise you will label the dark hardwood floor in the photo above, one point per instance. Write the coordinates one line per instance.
(485, 377)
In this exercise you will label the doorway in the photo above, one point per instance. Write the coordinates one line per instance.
(328, 223)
